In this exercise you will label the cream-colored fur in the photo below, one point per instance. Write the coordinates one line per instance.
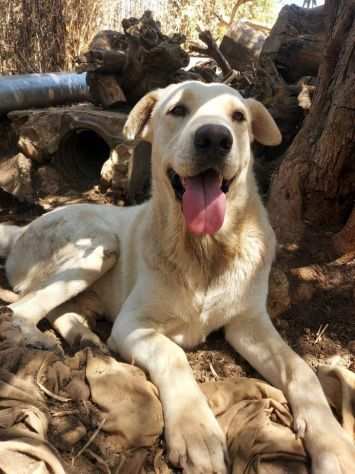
(166, 289)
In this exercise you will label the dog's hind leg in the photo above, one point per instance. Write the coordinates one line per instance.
(77, 273)
(73, 320)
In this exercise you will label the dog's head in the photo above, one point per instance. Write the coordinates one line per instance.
(201, 135)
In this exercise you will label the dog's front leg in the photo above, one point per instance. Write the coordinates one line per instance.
(255, 338)
(194, 438)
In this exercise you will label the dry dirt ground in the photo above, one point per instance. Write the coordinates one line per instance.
(321, 328)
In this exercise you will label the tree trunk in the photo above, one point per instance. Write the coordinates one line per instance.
(293, 51)
(315, 183)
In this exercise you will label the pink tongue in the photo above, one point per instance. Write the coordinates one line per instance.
(203, 203)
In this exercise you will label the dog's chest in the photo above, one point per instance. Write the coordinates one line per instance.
(200, 310)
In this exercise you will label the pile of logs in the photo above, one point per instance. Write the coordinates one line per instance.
(123, 67)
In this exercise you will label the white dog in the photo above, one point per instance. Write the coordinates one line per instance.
(194, 258)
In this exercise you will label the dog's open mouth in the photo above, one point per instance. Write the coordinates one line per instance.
(203, 199)
(179, 189)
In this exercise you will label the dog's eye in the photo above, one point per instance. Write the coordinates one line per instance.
(238, 116)
(179, 110)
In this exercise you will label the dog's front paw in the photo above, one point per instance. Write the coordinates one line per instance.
(33, 337)
(331, 453)
(90, 339)
(195, 440)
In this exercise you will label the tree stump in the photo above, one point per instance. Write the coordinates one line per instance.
(316, 180)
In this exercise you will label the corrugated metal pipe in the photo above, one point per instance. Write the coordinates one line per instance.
(41, 90)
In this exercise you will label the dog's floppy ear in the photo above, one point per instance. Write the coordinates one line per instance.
(264, 128)
(137, 123)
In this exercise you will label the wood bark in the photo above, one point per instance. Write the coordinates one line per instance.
(294, 47)
(344, 241)
(242, 45)
(291, 56)
(315, 183)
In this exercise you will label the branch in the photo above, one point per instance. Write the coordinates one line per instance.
(212, 51)
(220, 19)
(235, 9)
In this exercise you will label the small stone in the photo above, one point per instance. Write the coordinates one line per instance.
(49, 181)
(303, 292)
(72, 437)
(28, 148)
(77, 389)
(68, 429)
(351, 347)
(15, 177)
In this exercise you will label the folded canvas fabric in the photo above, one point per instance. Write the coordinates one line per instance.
(91, 390)
(24, 448)
(257, 422)
(339, 386)
(127, 399)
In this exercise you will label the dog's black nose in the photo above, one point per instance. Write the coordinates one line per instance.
(213, 138)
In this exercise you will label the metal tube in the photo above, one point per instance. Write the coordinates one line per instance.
(41, 90)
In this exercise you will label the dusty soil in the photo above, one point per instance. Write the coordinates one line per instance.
(321, 329)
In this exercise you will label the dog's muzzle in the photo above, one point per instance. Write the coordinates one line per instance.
(213, 141)
(203, 193)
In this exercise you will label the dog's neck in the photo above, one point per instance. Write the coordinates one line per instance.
(180, 251)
